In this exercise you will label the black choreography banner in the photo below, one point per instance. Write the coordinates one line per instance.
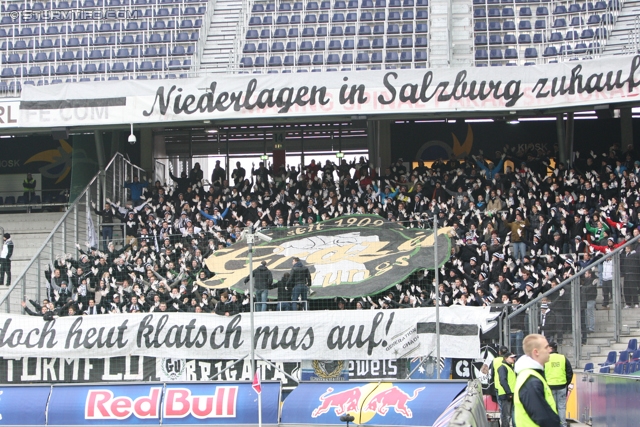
(350, 256)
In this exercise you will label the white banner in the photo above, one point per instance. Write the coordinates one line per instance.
(609, 80)
(282, 336)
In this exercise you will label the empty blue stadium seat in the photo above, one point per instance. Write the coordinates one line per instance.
(265, 33)
(282, 20)
(406, 56)
(479, 13)
(406, 42)
(480, 40)
(531, 52)
(576, 21)
(495, 26)
(480, 26)
(540, 24)
(319, 45)
(510, 54)
(336, 31)
(600, 5)
(352, 17)
(259, 62)
(366, 17)
(280, 33)
(559, 23)
(304, 60)
(10, 200)
(362, 58)
(321, 32)
(510, 39)
(538, 38)
(364, 44)
(482, 55)
(364, 30)
(350, 30)
(306, 46)
(555, 37)
(542, 11)
(323, 18)
(335, 45)
(246, 62)
(338, 17)
(347, 58)
(393, 29)
(601, 33)
(407, 29)
(525, 11)
(392, 43)
(333, 59)
(377, 44)
(421, 55)
(508, 12)
(572, 35)
(581, 48)
(421, 29)
(308, 32)
(495, 54)
(393, 16)
(275, 61)
(311, 19)
(248, 48)
(587, 33)
(291, 46)
(392, 57)
(318, 59)
(494, 12)
(379, 16)
(495, 39)
(348, 44)
(565, 50)
(378, 29)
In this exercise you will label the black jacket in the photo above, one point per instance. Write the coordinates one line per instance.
(299, 275)
(262, 278)
(284, 290)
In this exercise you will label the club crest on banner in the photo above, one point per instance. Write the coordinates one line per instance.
(350, 256)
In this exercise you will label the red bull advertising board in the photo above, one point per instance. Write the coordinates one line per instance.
(233, 403)
(374, 403)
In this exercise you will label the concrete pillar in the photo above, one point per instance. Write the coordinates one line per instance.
(626, 129)
(146, 150)
(102, 163)
(379, 143)
(562, 150)
(569, 137)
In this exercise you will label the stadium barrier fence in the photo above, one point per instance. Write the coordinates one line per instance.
(77, 225)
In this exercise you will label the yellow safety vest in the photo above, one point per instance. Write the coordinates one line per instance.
(24, 185)
(511, 380)
(494, 367)
(521, 418)
(555, 370)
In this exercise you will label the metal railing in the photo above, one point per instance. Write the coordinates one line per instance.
(71, 229)
(573, 311)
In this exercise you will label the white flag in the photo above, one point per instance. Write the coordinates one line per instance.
(92, 237)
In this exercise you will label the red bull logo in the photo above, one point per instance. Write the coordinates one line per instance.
(103, 405)
(342, 401)
(367, 401)
(392, 398)
(180, 403)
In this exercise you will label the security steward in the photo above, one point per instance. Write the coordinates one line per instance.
(495, 364)
(534, 405)
(505, 385)
(559, 373)
(29, 188)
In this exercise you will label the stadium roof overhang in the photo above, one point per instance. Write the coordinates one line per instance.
(330, 98)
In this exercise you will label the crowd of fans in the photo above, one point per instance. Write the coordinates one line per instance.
(517, 230)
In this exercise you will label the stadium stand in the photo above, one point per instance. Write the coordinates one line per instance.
(557, 30)
(372, 33)
(99, 40)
